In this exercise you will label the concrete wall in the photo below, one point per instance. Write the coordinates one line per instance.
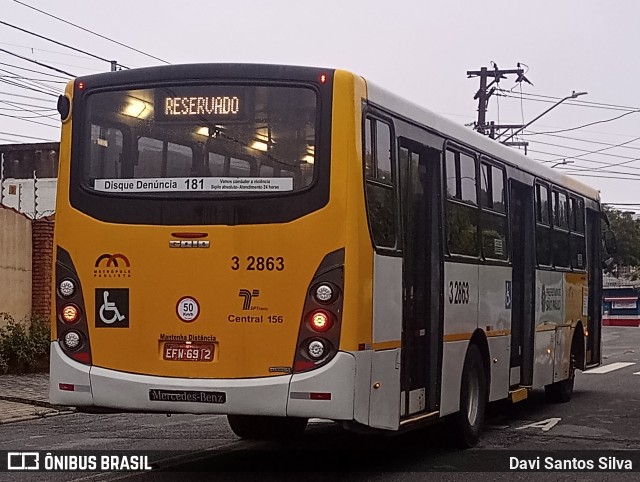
(15, 264)
(18, 194)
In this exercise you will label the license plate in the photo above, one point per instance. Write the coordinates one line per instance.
(188, 352)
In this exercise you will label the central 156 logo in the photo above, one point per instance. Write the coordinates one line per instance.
(458, 292)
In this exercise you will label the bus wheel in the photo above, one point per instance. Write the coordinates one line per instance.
(473, 400)
(262, 427)
(560, 392)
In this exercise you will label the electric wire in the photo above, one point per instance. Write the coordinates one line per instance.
(22, 86)
(92, 32)
(36, 62)
(37, 114)
(59, 43)
(25, 136)
(29, 120)
(30, 83)
(587, 141)
(35, 71)
(576, 102)
(24, 96)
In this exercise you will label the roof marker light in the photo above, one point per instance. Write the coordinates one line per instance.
(323, 78)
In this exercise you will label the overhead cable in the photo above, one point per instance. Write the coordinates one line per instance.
(36, 62)
(59, 43)
(92, 32)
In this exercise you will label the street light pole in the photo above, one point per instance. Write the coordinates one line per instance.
(572, 96)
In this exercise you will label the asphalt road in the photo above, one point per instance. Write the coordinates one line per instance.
(603, 415)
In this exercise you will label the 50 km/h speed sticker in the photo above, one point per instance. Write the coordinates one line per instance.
(188, 309)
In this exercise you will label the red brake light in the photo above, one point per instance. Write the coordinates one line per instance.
(320, 321)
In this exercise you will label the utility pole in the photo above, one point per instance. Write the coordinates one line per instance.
(485, 92)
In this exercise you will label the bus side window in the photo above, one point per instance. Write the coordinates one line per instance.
(543, 225)
(461, 205)
(179, 160)
(577, 242)
(379, 183)
(560, 236)
(494, 213)
(239, 168)
(106, 151)
(216, 164)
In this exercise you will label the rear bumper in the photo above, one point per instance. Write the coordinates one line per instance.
(284, 395)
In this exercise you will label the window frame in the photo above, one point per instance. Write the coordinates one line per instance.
(371, 117)
(490, 210)
(457, 200)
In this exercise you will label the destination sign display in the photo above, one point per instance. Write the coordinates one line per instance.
(197, 103)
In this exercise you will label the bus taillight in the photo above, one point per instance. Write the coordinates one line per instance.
(320, 320)
(70, 314)
(321, 315)
(71, 322)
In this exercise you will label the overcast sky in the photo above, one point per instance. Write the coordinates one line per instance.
(418, 49)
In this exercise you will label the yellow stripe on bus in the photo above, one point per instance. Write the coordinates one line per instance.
(467, 336)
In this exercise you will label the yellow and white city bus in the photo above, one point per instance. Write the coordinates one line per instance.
(276, 243)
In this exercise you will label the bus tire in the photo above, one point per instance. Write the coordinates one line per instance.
(561, 392)
(262, 427)
(473, 400)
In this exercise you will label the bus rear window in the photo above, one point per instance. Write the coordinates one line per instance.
(200, 140)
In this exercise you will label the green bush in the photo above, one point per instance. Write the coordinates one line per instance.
(24, 347)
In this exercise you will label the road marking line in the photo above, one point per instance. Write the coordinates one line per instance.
(610, 368)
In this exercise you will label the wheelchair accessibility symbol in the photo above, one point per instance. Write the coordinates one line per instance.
(112, 307)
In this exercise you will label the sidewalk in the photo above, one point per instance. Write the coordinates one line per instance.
(25, 397)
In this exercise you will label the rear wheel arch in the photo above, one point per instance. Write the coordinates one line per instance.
(474, 392)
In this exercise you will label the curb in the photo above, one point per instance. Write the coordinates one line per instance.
(25, 418)
(29, 401)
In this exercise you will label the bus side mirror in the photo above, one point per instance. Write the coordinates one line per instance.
(610, 243)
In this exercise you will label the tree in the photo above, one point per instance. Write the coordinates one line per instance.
(627, 231)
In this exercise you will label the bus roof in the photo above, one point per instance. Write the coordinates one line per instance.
(464, 135)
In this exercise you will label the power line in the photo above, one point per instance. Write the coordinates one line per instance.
(579, 103)
(59, 43)
(35, 71)
(26, 137)
(37, 114)
(47, 51)
(25, 96)
(37, 106)
(92, 32)
(30, 79)
(22, 86)
(597, 151)
(586, 152)
(36, 62)
(29, 83)
(587, 141)
(590, 124)
(28, 120)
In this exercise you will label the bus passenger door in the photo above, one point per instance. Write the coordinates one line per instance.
(594, 266)
(522, 284)
(421, 327)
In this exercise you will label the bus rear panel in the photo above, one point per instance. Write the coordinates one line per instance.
(199, 254)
